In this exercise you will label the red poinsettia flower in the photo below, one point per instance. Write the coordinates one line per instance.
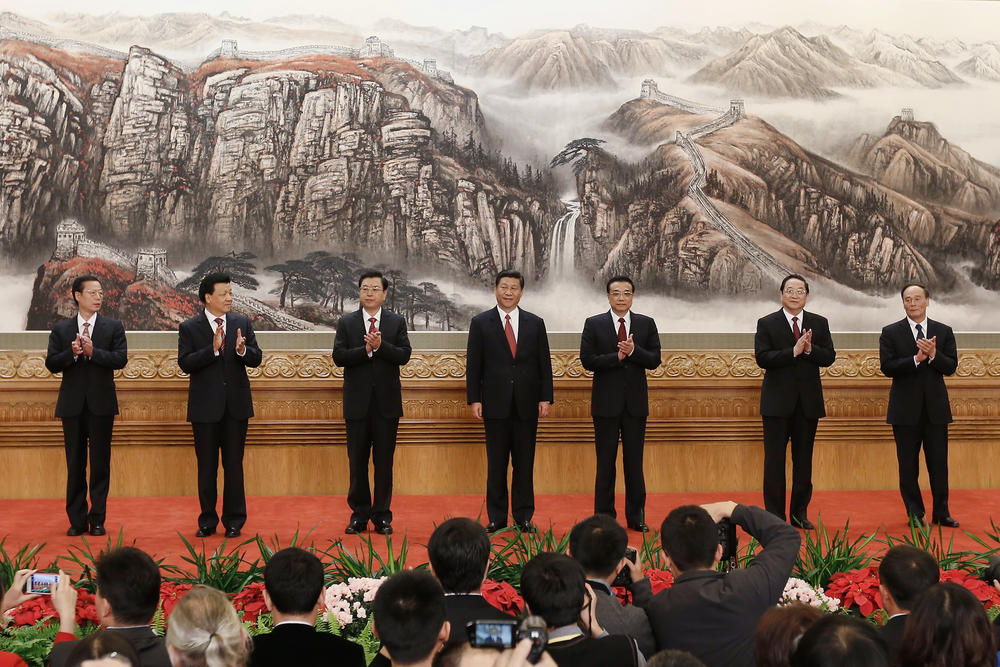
(660, 579)
(170, 595)
(983, 591)
(250, 602)
(857, 588)
(503, 596)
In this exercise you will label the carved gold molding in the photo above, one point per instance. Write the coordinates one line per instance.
(677, 365)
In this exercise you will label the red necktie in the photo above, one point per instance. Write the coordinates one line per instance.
(218, 322)
(509, 330)
(86, 328)
(621, 330)
(371, 329)
(795, 328)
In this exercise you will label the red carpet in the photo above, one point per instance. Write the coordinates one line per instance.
(153, 523)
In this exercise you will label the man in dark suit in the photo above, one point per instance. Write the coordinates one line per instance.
(127, 597)
(215, 348)
(904, 574)
(508, 380)
(618, 346)
(87, 349)
(712, 614)
(917, 353)
(459, 552)
(791, 345)
(294, 594)
(371, 344)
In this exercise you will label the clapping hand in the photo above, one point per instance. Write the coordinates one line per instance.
(241, 343)
(218, 339)
(926, 348)
(803, 344)
(77, 345)
(373, 340)
(625, 347)
(88, 346)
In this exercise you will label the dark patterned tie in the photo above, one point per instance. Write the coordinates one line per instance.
(509, 330)
(920, 332)
(795, 328)
(621, 330)
(371, 328)
(218, 322)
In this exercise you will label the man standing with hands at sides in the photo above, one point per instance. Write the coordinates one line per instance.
(215, 348)
(371, 344)
(917, 352)
(508, 380)
(791, 345)
(87, 349)
(618, 346)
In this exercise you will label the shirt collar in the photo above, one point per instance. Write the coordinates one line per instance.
(377, 315)
(211, 318)
(627, 316)
(913, 324)
(513, 314)
(80, 321)
(600, 583)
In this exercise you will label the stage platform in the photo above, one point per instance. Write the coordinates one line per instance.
(153, 523)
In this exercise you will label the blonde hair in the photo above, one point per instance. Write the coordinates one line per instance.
(205, 631)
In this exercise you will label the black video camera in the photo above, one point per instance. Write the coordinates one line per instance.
(624, 577)
(730, 543)
(506, 634)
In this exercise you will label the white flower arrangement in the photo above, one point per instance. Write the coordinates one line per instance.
(798, 590)
(349, 604)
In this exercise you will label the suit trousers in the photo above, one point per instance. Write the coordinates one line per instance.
(228, 436)
(934, 438)
(511, 439)
(801, 430)
(373, 436)
(77, 433)
(633, 433)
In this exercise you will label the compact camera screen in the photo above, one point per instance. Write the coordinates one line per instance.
(41, 582)
(493, 634)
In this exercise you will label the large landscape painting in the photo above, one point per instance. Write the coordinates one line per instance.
(706, 153)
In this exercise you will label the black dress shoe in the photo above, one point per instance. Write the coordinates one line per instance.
(232, 532)
(383, 528)
(75, 532)
(639, 527)
(98, 530)
(526, 527)
(494, 526)
(946, 521)
(205, 532)
(355, 527)
(802, 523)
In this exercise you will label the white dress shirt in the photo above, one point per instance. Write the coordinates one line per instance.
(368, 322)
(514, 319)
(913, 332)
(90, 330)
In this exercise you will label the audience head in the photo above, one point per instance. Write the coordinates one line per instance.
(905, 573)
(948, 626)
(598, 543)
(779, 631)
(409, 616)
(674, 659)
(204, 631)
(554, 586)
(690, 538)
(293, 582)
(841, 641)
(128, 584)
(104, 648)
(459, 551)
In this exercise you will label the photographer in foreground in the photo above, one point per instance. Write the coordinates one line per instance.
(712, 614)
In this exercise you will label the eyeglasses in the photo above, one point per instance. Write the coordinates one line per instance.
(617, 293)
(796, 292)
(371, 290)
(94, 292)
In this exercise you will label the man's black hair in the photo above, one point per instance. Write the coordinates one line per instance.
(373, 273)
(130, 581)
(841, 641)
(409, 612)
(689, 537)
(78, 285)
(927, 293)
(208, 283)
(794, 276)
(598, 543)
(619, 279)
(509, 273)
(459, 551)
(907, 572)
(554, 586)
(294, 580)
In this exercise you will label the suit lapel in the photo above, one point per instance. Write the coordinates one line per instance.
(782, 322)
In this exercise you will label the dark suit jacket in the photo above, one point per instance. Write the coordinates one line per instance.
(619, 385)
(91, 379)
(151, 649)
(714, 615)
(217, 382)
(504, 385)
(301, 645)
(915, 387)
(380, 372)
(460, 609)
(789, 379)
(892, 633)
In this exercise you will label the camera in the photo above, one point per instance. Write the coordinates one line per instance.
(992, 571)
(506, 634)
(730, 543)
(40, 582)
(624, 578)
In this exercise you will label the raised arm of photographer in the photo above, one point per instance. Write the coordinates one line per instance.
(15, 595)
(64, 602)
(721, 510)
